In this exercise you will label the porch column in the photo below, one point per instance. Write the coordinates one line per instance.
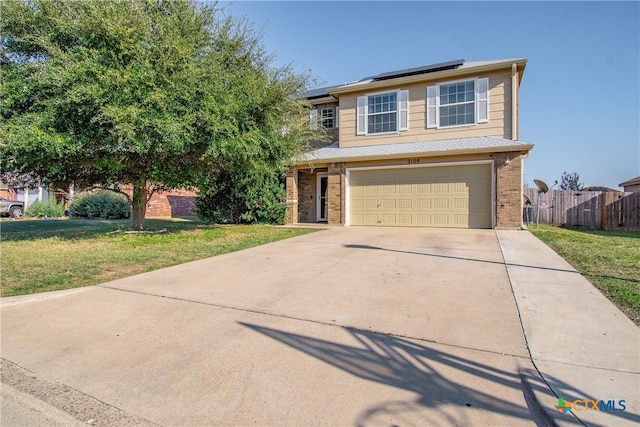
(292, 196)
(335, 193)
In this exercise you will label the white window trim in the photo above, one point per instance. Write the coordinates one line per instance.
(362, 112)
(435, 108)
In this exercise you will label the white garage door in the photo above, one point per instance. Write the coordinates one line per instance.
(434, 196)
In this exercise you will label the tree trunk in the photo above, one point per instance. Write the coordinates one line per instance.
(139, 202)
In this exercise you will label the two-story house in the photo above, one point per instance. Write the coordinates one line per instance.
(433, 146)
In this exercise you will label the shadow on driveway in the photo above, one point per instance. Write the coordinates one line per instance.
(415, 367)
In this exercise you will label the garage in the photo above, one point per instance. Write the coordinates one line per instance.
(453, 195)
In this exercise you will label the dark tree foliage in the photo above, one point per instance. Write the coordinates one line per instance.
(570, 181)
(244, 196)
(169, 93)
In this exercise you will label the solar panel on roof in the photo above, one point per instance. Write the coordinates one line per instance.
(450, 65)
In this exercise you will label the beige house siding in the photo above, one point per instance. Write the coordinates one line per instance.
(632, 188)
(499, 124)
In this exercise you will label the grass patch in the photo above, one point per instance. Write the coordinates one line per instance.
(48, 255)
(610, 260)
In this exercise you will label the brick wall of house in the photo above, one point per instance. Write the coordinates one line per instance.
(307, 196)
(172, 204)
(508, 179)
(169, 204)
(336, 194)
(292, 196)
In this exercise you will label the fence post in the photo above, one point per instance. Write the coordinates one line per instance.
(603, 210)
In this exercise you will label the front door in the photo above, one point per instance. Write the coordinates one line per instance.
(322, 184)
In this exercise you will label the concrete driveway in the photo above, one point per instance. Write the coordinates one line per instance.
(346, 326)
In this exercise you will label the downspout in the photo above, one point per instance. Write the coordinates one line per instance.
(514, 102)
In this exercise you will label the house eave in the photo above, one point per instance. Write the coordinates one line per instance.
(630, 182)
(524, 149)
(322, 100)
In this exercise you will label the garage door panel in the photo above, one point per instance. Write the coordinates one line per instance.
(441, 196)
(440, 203)
(389, 219)
(405, 219)
(371, 190)
(423, 220)
(389, 204)
(405, 204)
(459, 203)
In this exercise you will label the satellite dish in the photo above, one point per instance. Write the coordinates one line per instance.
(542, 187)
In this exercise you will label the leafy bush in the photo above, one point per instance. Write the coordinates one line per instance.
(247, 195)
(100, 204)
(48, 209)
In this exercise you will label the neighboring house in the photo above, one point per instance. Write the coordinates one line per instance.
(433, 146)
(32, 195)
(7, 191)
(632, 185)
(599, 188)
(169, 203)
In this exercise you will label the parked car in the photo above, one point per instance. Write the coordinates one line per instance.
(13, 208)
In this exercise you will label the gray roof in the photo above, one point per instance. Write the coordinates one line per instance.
(483, 144)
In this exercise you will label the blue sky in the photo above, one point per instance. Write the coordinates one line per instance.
(580, 96)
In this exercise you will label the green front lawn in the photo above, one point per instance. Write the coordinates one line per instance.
(48, 255)
(610, 260)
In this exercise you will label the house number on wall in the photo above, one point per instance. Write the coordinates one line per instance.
(413, 161)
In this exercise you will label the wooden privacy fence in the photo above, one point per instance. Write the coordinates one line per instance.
(585, 209)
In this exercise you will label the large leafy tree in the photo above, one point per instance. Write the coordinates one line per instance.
(141, 92)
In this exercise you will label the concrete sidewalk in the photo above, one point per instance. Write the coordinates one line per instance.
(584, 347)
(349, 326)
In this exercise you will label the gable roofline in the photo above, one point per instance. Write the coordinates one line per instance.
(429, 72)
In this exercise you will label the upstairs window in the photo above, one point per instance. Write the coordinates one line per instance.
(457, 104)
(383, 113)
(327, 118)
(461, 103)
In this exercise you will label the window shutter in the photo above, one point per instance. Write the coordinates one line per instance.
(432, 106)
(403, 110)
(336, 119)
(362, 116)
(313, 119)
(483, 100)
